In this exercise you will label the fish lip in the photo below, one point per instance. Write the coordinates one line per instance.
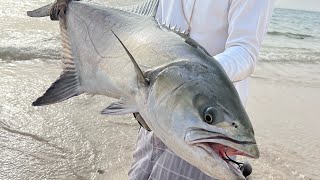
(219, 138)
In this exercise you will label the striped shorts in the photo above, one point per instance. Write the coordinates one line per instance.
(153, 160)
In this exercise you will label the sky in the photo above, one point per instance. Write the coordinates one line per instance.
(309, 5)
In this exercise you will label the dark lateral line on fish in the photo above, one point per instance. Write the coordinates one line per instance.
(141, 77)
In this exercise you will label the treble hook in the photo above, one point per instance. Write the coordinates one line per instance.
(245, 168)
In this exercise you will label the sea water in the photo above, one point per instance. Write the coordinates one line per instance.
(71, 140)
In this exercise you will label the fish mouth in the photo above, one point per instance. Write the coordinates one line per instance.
(220, 155)
(222, 147)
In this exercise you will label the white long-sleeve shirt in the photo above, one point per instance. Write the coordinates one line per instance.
(231, 31)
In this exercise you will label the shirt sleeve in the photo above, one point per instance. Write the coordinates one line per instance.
(248, 22)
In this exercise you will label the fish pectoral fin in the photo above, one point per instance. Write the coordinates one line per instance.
(142, 81)
(121, 107)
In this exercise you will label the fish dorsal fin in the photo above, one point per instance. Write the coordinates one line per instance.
(147, 8)
(182, 33)
(141, 79)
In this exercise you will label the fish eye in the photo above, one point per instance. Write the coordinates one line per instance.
(210, 115)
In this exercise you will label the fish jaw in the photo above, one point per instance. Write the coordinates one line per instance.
(220, 147)
(205, 150)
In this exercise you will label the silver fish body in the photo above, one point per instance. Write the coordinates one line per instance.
(184, 95)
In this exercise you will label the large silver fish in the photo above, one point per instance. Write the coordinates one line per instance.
(181, 92)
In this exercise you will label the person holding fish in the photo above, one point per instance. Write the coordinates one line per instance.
(193, 52)
(229, 30)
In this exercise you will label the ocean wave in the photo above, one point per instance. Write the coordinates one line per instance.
(18, 54)
(287, 54)
(285, 58)
(289, 35)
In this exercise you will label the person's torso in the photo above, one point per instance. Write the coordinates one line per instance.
(209, 22)
(209, 26)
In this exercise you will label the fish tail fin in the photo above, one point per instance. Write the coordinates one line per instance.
(40, 12)
(49, 10)
(64, 88)
(68, 84)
